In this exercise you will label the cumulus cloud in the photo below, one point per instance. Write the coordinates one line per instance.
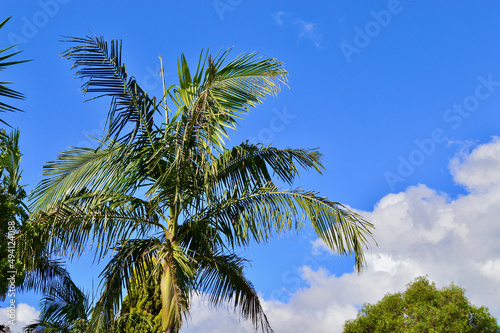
(420, 232)
(480, 169)
(25, 315)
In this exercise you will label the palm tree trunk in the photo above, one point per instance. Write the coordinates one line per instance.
(168, 308)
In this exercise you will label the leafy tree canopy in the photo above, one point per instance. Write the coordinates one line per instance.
(423, 308)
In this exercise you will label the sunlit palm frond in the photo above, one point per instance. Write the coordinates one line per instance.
(268, 210)
(82, 169)
(212, 104)
(99, 218)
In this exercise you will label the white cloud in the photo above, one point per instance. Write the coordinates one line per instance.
(278, 17)
(480, 169)
(419, 231)
(491, 269)
(309, 31)
(25, 315)
(319, 248)
(306, 30)
(306, 312)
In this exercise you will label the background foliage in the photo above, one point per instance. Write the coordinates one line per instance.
(423, 308)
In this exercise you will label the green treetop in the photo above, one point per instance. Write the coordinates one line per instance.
(423, 308)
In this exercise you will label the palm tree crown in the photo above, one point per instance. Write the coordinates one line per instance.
(166, 195)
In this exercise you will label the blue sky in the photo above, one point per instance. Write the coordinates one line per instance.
(401, 97)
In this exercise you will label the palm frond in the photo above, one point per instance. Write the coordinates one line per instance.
(99, 218)
(221, 279)
(131, 260)
(43, 272)
(200, 237)
(267, 210)
(64, 302)
(224, 95)
(4, 90)
(100, 64)
(82, 169)
(62, 305)
(247, 166)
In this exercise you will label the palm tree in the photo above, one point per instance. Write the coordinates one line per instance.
(166, 196)
(4, 90)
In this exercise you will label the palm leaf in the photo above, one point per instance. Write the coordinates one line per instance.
(224, 95)
(61, 306)
(82, 169)
(101, 66)
(4, 63)
(97, 217)
(247, 166)
(221, 279)
(267, 210)
(43, 272)
(132, 259)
